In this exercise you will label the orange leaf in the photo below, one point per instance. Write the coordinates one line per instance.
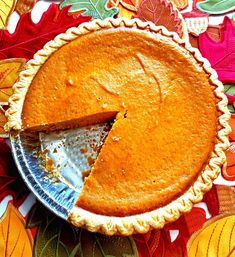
(6, 8)
(131, 5)
(9, 71)
(230, 154)
(228, 171)
(23, 6)
(15, 240)
(127, 8)
(216, 238)
(232, 124)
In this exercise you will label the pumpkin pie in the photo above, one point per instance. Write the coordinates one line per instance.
(170, 126)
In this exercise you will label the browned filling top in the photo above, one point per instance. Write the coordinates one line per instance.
(164, 110)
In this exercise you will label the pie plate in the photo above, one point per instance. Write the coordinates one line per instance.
(53, 165)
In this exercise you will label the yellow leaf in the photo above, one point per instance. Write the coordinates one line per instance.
(3, 121)
(124, 12)
(9, 71)
(216, 238)
(15, 240)
(180, 4)
(6, 8)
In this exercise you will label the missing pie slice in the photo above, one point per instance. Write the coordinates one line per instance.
(170, 119)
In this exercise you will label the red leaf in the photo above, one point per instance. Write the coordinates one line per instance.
(5, 155)
(29, 37)
(10, 181)
(168, 249)
(188, 223)
(147, 243)
(195, 219)
(212, 202)
(5, 181)
(157, 243)
(160, 12)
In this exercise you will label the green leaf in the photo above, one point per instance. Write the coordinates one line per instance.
(216, 6)
(97, 245)
(57, 238)
(35, 217)
(231, 108)
(229, 89)
(96, 8)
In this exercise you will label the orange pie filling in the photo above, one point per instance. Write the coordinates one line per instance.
(164, 108)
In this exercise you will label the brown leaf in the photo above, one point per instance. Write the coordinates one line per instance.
(193, 40)
(214, 32)
(226, 197)
(23, 6)
(6, 8)
(9, 71)
(15, 240)
(160, 12)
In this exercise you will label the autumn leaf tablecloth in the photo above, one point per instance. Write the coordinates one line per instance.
(29, 229)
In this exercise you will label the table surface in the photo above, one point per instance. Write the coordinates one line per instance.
(24, 203)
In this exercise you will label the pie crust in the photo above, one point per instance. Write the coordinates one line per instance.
(140, 223)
